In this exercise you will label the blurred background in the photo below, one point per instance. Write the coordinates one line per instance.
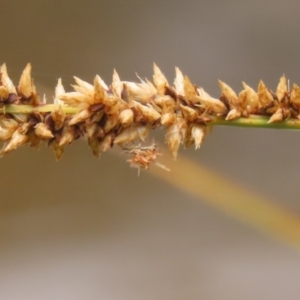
(224, 224)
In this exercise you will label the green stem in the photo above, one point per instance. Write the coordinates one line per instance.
(254, 121)
(27, 109)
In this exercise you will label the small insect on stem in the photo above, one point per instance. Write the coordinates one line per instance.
(142, 157)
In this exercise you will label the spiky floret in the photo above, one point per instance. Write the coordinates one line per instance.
(123, 112)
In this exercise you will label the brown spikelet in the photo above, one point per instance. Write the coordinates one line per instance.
(295, 96)
(228, 92)
(17, 140)
(179, 82)
(27, 88)
(189, 89)
(264, 96)
(42, 131)
(7, 127)
(58, 117)
(251, 98)
(281, 89)
(211, 104)
(278, 116)
(159, 80)
(126, 117)
(6, 81)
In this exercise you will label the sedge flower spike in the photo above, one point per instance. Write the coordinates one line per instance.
(123, 112)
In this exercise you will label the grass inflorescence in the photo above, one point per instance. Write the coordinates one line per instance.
(123, 112)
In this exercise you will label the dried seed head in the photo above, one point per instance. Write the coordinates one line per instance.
(126, 111)
(42, 131)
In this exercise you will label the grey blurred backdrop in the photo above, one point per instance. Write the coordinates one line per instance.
(91, 229)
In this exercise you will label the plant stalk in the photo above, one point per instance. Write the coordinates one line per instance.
(27, 109)
(254, 121)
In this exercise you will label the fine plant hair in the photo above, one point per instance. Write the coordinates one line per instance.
(124, 112)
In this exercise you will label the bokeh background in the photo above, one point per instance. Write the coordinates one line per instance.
(224, 224)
